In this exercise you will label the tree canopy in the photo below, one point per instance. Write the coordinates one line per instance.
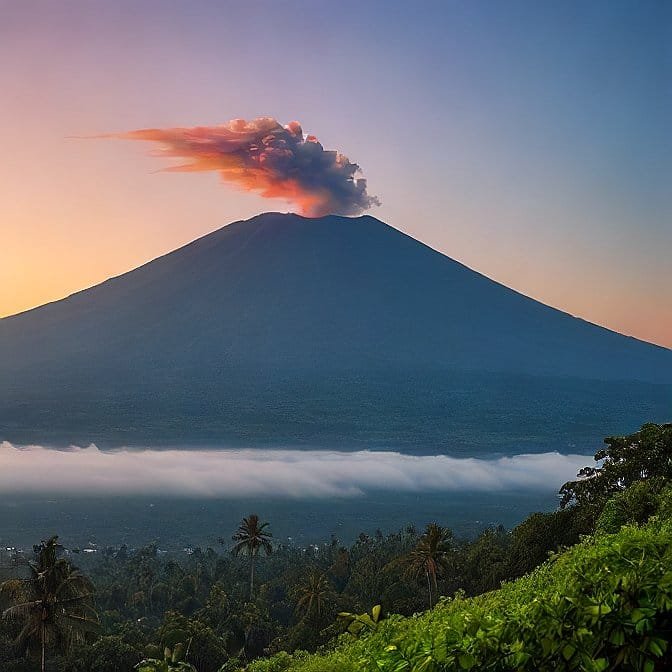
(644, 455)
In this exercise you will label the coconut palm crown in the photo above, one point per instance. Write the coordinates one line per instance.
(252, 537)
(430, 556)
(54, 606)
(314, 595)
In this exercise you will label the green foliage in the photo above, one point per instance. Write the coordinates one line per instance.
(664, 511)
(252, 537)
(483, 564)
(633, 506)
(172, 661)
(206, 650)
(53, 608)
(107, 654)
(644, 455)
(279, 663)
(431, 557)
(542, 533)
(359, 624)
(604, 604)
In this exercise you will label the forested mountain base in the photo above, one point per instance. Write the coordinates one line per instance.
(603, 601)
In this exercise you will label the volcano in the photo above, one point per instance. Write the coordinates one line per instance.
(284, 330)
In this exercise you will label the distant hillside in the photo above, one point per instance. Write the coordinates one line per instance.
(333, 330)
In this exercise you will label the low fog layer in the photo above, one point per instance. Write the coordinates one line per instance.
(256, 472)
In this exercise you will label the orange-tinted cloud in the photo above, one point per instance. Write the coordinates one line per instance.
(270, 159)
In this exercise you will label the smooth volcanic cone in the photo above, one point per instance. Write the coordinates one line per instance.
(270, 159)
(336, 332)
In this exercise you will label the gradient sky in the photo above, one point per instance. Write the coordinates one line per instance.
(531, 141)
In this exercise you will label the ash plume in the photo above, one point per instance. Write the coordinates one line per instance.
(267, 158)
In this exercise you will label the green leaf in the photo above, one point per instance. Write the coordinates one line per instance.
(546, 645)
(657, 646)
(568, 651)
(637, 615)
(467, 661)
(598, 609)
(642, 626)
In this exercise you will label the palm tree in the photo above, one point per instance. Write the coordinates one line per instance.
(251, 538)
(314, 595)
(55, 604)
(430, 556)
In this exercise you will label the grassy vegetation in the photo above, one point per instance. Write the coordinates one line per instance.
(604, 604)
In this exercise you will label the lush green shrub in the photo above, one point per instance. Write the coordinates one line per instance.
(664, 511)
(107, 654)
(604, 604)
(204, 649)
(542, 533)
(633, 506)
(278, 663)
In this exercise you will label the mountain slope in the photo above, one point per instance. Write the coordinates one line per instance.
(281, 306)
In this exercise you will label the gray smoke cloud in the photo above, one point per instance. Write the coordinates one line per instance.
(260, 472)
(263, 156)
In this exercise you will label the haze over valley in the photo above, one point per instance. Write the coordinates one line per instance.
(312, 358)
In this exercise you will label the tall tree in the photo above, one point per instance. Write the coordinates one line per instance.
(54, 605)
(430, 556)
(251, 538)
(313, 595)
(644, 455)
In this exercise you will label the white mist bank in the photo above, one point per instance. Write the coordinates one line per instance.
(262, 472)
